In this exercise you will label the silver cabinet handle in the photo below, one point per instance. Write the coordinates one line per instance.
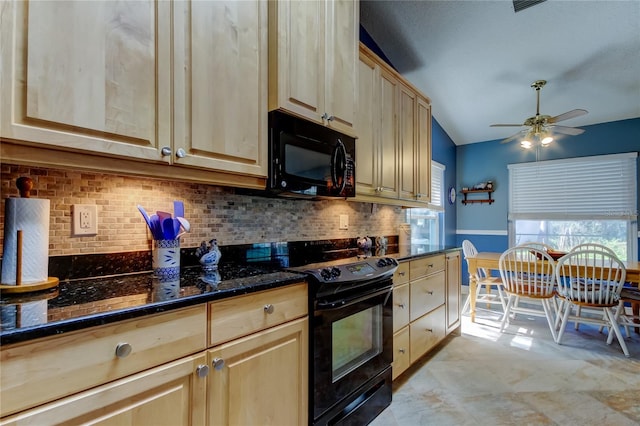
(330, 118)
(430, 293)
(181, 153)
(123, 350)
(401, 351)
(217, 364)
(202, 371)
(402, 274)
(269, 308)
(165, 151)
(401, 305)
(430, 330)
(418, 195)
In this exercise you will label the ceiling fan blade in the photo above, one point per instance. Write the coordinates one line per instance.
(513, 137)
(573, 131)
(506, 125)
(567, 115)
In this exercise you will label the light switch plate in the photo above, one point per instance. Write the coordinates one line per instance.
(344, 221)
(85, 219)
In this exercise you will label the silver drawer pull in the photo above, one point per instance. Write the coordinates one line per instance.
(401, 273)
(202, 371)
(430, 330)
(430, 293)
(430, 265)
(401, 351)
(269, 308)
(401, 305)
(217, 364)
(123, 350)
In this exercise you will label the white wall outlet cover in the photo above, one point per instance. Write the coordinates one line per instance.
(85, 219)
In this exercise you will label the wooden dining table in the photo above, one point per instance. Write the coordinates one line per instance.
(489, 261)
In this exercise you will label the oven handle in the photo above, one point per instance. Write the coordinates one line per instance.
(341, 303)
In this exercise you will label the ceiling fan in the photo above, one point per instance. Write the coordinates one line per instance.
(540, 126)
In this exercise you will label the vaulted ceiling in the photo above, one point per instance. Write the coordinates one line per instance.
(476, 60)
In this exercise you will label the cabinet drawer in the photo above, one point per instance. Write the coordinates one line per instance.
(43, 370)
(426, 294)
(401, 359)
(426, 266)
(427, 332)
(242, 315)
(401, 275)
(400, 306)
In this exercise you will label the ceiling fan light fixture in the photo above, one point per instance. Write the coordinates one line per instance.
(546, 140)
(526, 144)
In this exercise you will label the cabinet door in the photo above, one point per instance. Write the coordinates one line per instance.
(426, 332)
(172, 394)
(341, 62)
(423, 155)
(262, 379)
(407, 141)
(367, 127)
(400, 306)
(87, 76)
(387, 159)
(427, 293)
(296, 57)
(453, 290)
(401, 357)
(221, 85)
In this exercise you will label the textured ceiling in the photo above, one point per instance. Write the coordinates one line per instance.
(476, 60)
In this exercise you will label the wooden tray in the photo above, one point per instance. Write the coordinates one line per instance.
(25, 288)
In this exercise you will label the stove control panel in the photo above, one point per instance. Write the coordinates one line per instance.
(366, 269)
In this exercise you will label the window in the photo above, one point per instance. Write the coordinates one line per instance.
(427, 222)
(572, 201)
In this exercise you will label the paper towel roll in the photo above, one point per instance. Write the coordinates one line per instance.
(404, 234)
(31, 215)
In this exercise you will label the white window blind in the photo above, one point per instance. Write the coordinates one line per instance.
(598, 187)
(437, 186)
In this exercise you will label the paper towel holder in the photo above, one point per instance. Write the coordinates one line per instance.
(25, 184)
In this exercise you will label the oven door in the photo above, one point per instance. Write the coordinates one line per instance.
(352, 343)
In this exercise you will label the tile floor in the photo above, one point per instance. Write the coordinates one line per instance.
(520, 377)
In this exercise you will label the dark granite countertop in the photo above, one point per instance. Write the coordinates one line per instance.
(80, 303)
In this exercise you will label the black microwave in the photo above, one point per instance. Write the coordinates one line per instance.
(308, 160)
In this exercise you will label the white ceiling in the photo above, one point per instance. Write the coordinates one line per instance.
(476, 60)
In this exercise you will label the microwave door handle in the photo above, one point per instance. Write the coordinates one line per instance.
(339, 165)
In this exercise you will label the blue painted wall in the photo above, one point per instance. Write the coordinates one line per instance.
(486, 225)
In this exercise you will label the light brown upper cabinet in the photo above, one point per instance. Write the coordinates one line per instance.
(148, 82)
(313, 60)
(393, 123)
(376, 146)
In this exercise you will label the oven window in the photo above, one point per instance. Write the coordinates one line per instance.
(356, 339)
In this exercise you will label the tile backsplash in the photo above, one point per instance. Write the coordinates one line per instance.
(213, 211)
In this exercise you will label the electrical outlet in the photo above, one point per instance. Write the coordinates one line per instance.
(344, 221)
(85, 219)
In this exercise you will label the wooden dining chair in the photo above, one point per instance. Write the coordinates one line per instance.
(483, 279)
(528, 274)
(627, 320)
(591, 279)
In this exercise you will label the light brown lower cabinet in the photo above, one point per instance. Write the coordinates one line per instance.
(262, 378)
(172, 394)
(164, 369)
(426, 306)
